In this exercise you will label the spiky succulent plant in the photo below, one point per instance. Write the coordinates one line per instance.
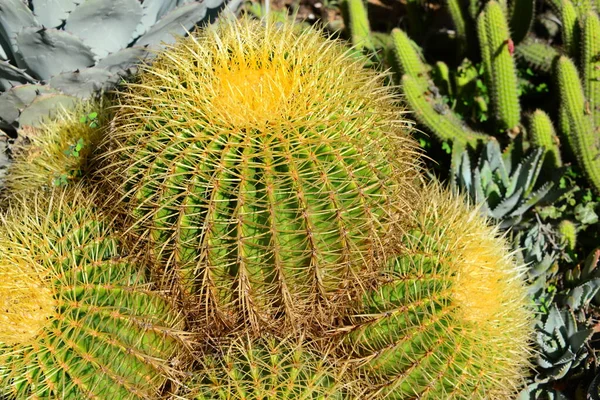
(53, 51)
(78, 316)
(265, 166)
(268, 369)
(450, 319)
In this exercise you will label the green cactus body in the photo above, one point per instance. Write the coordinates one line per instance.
(542, 134)
(570, 28)
(537, 54)
(360, 31)
(521, 18)
(456, 10)
(582, 138)
(407, 59)
(267, 369)
(494, 39)
(568, 234)
(451, 318)
(79, 317)
(590, 64)
(266, 187)
(443, 122)
(441, 77)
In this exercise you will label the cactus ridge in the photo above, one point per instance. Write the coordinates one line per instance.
(494, 38)
(360, 31)
(270, 369)
(542, 134)
(265, 184)
(451, 308)
(407, 58)
(582, 138)
(570, 28)
(590, 64)
(443, 122)
(100, 330)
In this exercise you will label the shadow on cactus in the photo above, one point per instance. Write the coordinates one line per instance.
(451, 316)
(79, 317)
(265, 166)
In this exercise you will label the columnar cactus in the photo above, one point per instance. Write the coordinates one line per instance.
(542, 134)
(79, 318)
(259, 162)
(451, 318)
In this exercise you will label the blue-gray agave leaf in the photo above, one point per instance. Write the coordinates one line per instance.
(125, 60)
(13, 101)
(85, 82)
(52, 13)
(45, 106)
(14, 74)
(105, 26)
(49, 52)
(153, 10)
(177, 22)
(14, 17)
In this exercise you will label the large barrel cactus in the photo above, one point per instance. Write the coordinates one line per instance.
(450, 319)
(265, 167)
(78, 317)
(268, 369)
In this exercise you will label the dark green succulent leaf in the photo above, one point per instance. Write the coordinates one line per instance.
(506, 205)
(579, 296)
(593, 392)
(52, 13)
(152, 11)
(591, 264)
(536, 198)
(14, 74)
(124, 60)
(577, 340)
(105, 26)
(45, 106)
(85, 82)
(18, 98)
(14, 17)
(177, 22)
(527, 176)
(541, 391)
(48, 52)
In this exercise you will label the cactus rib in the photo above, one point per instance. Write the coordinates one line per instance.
(407, 59)
(570, 28)
(590, 64)
(360, 31)
(542, 134)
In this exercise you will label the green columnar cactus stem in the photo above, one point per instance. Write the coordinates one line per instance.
(537, 54)
(582, 138)
(521, 19)
(451, 305)
(267, 369)
(258, 161)
(542, 134)
(570, 28)
(443, 122)
(442, 77)
(484, 46)
(590, 64)
(568, 233)
(474, 8)
(360, 30)
(80, 319)
(456, 10)
(494, 38)
(407, 58)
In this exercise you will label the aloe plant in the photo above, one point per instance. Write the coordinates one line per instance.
(52, 52)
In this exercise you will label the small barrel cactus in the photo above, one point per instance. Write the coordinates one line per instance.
(265, 167)
(451, 317)
(79, 319)
(268, 369)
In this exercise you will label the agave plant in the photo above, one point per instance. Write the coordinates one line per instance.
(54, 51)
(504, 192)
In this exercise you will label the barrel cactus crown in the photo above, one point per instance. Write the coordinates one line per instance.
(78, 317)
(264, 165)
(268, 369)
(451, 318)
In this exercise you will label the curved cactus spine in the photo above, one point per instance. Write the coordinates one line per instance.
(456, 10)
(583, 139)
(568, 234)
(542, 134)
(537, 54)
(451, 305)
(442, 122)
(360, 30)
(494, 38)
(267, 194)
(590, 64)
(570, 28)
(407, 58)
(521, 19)
(84, 320)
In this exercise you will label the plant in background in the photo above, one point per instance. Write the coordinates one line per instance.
(53, 52)
(80, 319)
(265, 167)
(450, 318)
